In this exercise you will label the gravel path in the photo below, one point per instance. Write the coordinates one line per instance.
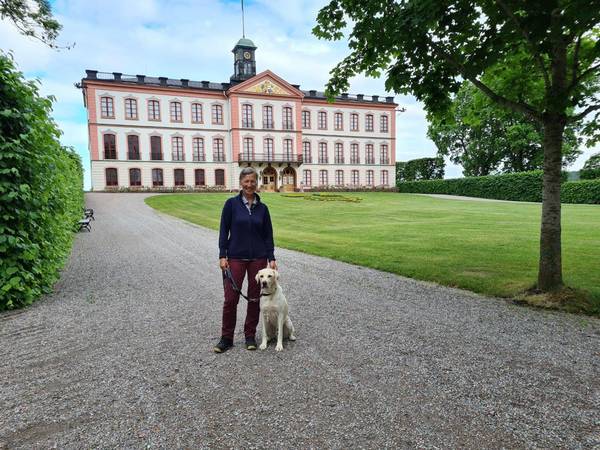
(120, 356)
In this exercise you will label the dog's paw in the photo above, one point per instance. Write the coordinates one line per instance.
(292, 338)
(263, 346)
(279, 347)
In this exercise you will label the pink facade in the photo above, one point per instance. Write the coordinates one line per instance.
(169, 133)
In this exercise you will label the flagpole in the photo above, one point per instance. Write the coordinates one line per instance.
(243, 25)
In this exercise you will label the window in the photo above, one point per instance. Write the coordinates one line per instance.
(176, 112)
(355, 178)
(323, 178)
(338, 121)
(369, 158)
(218, 150)
(217, 114)
(179, 176)
(354, 122)
(268, 147)
(369, 122)
(247, 120)
(339, 153)
(220, 177)
(383, 154)
(133, 147)
(288, 149)
(339, 177)
(177, 149)
(157, 177)
(322, 152)
(306, 153)
(384, 177)
(111, 177)
(153, 110)
(383, 124)
(155, 148)
(199, 178)
(198, 149)
(110, 146)
(369, 178)
(107, 108)
(322, 120)
(131, 109)
(307, 178)
(197, 113)
(305, 119)
(354, 155)
(287, 118)
(268, 117)
(135, 177)
(248, 149)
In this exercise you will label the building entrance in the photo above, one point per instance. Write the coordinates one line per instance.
(269, 180)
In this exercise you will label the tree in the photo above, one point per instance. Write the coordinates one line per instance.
(32, 18)
(420, 169)
(485, 138)
(591, 168)
(429, 47)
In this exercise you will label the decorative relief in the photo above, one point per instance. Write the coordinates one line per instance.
(267, 87)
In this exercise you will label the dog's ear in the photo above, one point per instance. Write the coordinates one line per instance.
(276, 275)
(256, 277)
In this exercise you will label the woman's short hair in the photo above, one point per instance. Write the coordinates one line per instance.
(248, 171)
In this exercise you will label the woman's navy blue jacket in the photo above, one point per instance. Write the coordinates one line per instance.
(244, 234)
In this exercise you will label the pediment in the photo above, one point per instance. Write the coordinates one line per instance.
(267, 83)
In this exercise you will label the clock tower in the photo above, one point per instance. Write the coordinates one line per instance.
(244, 64)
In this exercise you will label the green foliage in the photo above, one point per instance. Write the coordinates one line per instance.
(591, 168)
(420, 169)
(587, 191)
(485, 138)
(41, 192)
(32, 18)
(524, 186)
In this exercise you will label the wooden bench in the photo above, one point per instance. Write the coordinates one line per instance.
(85, 224)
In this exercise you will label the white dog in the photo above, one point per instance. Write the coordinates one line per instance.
(274, 310)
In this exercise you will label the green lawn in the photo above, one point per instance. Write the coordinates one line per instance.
(487, 247)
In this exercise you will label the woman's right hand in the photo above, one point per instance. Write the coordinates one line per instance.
(223, 263)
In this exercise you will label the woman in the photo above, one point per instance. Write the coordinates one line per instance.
(245, 246)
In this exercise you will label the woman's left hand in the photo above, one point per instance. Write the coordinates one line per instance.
(273, 264)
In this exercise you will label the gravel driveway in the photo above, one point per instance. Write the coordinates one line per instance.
(120, 356)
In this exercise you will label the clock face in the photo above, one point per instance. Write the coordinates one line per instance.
(247, 55)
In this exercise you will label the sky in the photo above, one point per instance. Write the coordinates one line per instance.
(193, 39)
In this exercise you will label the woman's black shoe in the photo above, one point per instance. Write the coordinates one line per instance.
(223, 345)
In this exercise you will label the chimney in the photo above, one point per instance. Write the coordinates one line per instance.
(312, 93)
(345, 95)
(359, 97)
(91, 74)
(141, 78)
(205, 84)
(117, 76)
(163, 81)
(375, 98)
(389, 99)
(184, 82)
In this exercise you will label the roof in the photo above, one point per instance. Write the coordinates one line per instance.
(245, 42)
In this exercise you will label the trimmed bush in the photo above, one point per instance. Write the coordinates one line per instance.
(41, 192)
(587, 191)
(522, 186)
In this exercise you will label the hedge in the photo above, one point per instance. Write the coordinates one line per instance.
(41, 192)
(522, 187)
(587, 191)
(589, 174)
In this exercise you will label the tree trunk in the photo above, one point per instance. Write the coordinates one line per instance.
(550, 270)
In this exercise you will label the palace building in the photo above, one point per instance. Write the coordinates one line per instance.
(162, 132)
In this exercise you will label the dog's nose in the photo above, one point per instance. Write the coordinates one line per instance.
(264, 284)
